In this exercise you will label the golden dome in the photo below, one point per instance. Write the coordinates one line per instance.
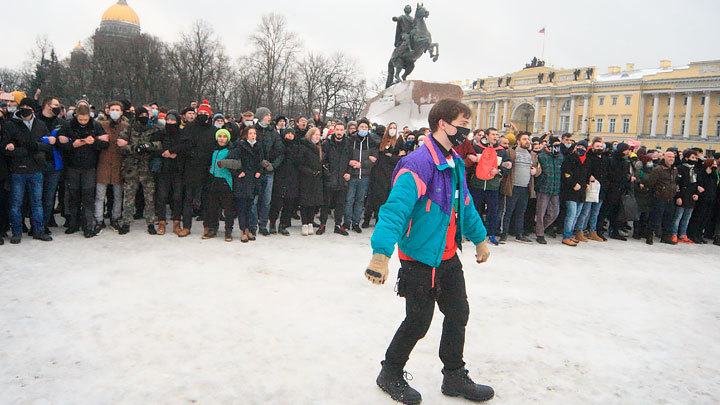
(121, 12)
(78, 47)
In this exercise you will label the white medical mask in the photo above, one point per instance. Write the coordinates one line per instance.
(115, 115)
(392, 132)
(161, 122)
(252, 142)
(248, 123)
(12, 109)
(218, 125)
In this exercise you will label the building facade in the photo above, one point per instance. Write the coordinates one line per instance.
(661, 107)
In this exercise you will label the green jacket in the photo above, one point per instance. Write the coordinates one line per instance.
(549, 181)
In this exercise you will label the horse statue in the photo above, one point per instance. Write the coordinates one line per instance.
(412, 48)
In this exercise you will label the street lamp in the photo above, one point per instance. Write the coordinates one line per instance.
(588, 124)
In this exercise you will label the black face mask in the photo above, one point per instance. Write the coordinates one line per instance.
(580, 152)
(143, 120)
(460, 135)
(201, 118)
(25, 112)
(172, 128)
(56, 111)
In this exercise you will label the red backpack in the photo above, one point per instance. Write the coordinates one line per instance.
(487, 162)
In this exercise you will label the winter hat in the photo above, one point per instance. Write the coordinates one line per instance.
(162, 116)
(126, 104)
(279, 118)
(583, 143)
(363, 120)
(27, 101)
(172, 115)
(218, 116)
(261, 112)
(18, 96)
(622, 147)
(511, 139)
(222, 131)
(553, 139)
(205, 106)
(380, 130)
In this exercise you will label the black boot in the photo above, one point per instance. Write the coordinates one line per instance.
(366, 223)
(273, 229)
(321, 230)
(124, 229)
(650, 238)
(716, 241)
(356, 228)
(151, 229)
(210, 234)
(618, 236)
(392, 381)
(340, 230)
(283, 231)
(458, 383)
(16, 238)
(72, 229)
(42, 236)
(263, 231)
(228, 235)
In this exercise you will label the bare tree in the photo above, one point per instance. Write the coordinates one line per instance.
(275, 49)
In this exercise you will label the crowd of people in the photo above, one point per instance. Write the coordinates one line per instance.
(106, 168)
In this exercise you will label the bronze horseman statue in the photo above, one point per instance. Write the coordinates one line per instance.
(412, 39)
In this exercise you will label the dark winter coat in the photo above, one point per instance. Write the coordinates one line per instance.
(550, 181)
(643, 195)
(662, 183)
(285, 183)
(86, 156)
(687, 183)
(28, 157)
(574, 172)
(170, 140)
(271, 145)
(311, 175)
(362, 147)
(619, 175)
(52, 124)
(336, 159)
(381, 175)
(196, 149)
(710, 183)
(250, 157)
(599, 166)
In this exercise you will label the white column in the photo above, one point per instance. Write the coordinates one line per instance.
(505, 108)
(706, 116)
(671, 116)
(547, 113)
(552, 106)
(558, 111)
(585, 115)
(653, 128)
(497, 114)
(571, 128)
(535, 116)
(479, 114)
(641, 116)
(688, 116)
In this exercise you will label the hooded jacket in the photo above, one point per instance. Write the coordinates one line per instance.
(86, 156)
(28, 157)
(362, 147)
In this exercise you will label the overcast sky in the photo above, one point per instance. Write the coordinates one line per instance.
(477, 38)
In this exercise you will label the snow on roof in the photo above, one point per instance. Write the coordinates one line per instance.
(635, 74)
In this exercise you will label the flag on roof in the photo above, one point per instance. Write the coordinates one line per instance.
(542, 31)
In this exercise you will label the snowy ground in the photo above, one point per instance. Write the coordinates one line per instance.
(155, 320)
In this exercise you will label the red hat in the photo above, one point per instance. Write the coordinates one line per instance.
(205, 106)
(162, 115)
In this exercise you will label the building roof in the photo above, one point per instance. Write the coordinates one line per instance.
(78, 47)
(121, 12)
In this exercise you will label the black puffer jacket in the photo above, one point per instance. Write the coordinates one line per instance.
(687, 183)
(170, 140)
(28, 157)
(618, 178)
(285, 184)
(86, 156)
(599, 165)
(573, 172)
(311, 175)
(250, 157)
(196, 149)
(362, 147)
(336, 156)
(271, 144)
(381, 175)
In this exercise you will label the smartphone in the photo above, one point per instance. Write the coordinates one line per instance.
(506, 125)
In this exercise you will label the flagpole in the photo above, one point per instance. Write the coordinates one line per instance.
(543, 47)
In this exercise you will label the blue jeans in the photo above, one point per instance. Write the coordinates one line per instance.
(681, 220)
(34, 185)
(515, 206)
(571, 216)
(489, 197)
(588, 216)
(50, 182)
(261, 203)
(357, 189)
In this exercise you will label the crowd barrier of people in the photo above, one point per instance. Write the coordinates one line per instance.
(105, 169)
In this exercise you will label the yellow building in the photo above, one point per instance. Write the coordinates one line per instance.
(661, 107)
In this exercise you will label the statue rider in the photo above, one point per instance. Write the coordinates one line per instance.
(404, 27)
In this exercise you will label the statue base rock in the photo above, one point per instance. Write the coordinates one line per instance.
(409, 103)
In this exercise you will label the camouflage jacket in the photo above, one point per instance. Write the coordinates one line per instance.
(140, 149)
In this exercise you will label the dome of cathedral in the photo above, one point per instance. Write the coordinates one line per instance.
(121, 12)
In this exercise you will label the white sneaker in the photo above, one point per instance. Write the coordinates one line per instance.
(305, 231)
(311, 229)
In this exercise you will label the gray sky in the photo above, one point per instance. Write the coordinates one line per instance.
(477, 38)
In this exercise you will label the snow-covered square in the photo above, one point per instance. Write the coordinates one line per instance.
(292, 320)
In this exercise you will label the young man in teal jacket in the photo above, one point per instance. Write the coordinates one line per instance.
(427, 214)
